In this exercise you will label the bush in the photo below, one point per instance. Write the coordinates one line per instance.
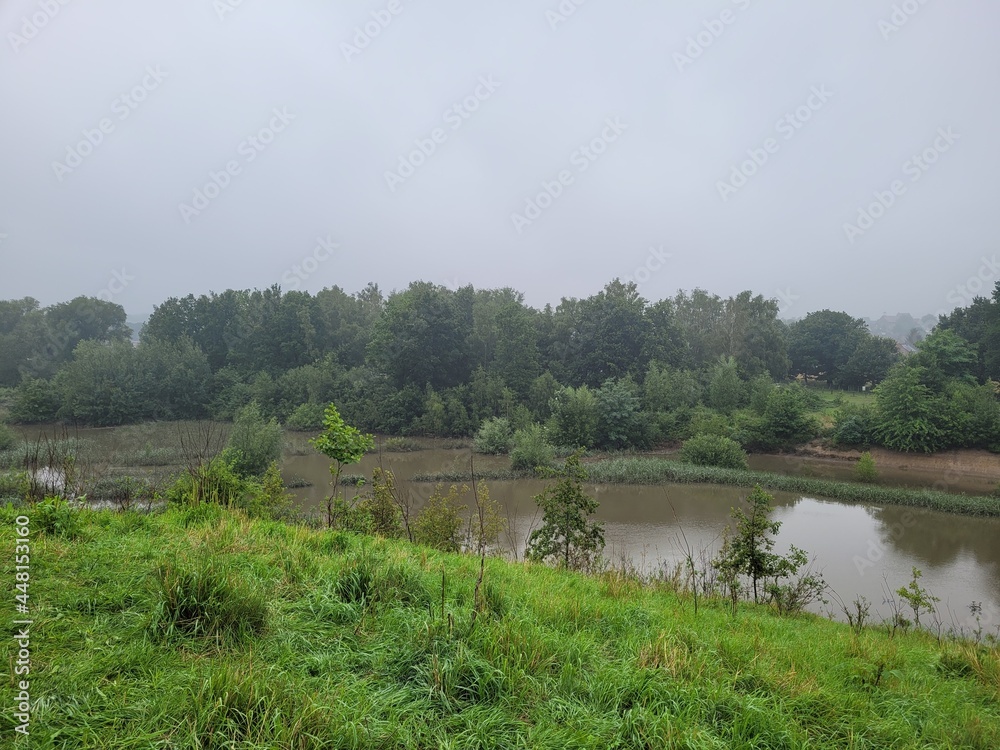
(215, 482)
(35, 401)
(400, 445)
(713, 450)
(7, 437)
(530, 449)
(439, 524)
(55, 516)
(254, 442)
(305, 418)
(855, 426)
(206, 599)
(14, 485)
(865, 470)
(494, 437)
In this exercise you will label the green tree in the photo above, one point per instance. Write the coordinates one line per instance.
(439, 523)
(620, 420)
(823, 342)
(254, 443)
(749, 551)
(713, 450)
(725, 389)
(344, 445)
(567, 535)
(574, 418)
(911, 417)
(530, 449)
(865, 470)
(870, 362)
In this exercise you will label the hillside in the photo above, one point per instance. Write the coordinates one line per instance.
(199, 628)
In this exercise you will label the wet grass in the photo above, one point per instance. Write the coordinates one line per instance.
(198, 628)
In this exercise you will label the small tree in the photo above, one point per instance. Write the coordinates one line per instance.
(494, 436)
(748, 551)
(567, 533)
(713, 450)
(344, 445)
(440, 522)
(865, 470)
(530, 448)
(255, 443)
(919, 599)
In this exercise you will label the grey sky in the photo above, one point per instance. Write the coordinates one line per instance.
(869, 98)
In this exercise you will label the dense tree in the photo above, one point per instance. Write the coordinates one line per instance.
(823, 342)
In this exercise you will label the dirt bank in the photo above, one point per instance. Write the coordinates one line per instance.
(977, 463)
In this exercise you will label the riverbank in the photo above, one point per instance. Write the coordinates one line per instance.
(200, 628)
(966, 462)
(646, 470)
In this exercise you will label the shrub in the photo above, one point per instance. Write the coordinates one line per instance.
(713, 450)
(205, 599)
(56, 516)
(14, 485)
(530, 448)
(215, 482)
(306, 417)
(400, 445)
(7, 437)
(254, 442)
(439, 524)
(865, 469)
(494, 437)
(855, 426)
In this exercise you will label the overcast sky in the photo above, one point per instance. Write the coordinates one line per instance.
(150, 150)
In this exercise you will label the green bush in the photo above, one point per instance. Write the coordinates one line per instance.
(305, 418)
(400, 445)
(494, 437)
(14, 485)
(865, 469)
(55, 516)
(530, 449)
(713, 450)
(206, 599)
(855, 426)
(439, 523)
(216, 483)
(7, 437)
(254, 443)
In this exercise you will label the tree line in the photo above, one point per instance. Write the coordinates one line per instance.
(610, 370)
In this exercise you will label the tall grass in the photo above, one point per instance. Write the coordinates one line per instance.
(654, 471)
(286, 637)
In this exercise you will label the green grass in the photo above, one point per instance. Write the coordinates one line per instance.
(199, 628)
(655, 471)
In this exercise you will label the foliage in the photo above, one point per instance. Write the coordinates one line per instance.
(254, 443)
(865, 470)
(784, 421)
(911, 416)
(216, 482)
(749, 551)
(726, 391)
(306, 417)
(343, 444)
(917, 597)
(494, 436)
(530, 449)
(574, 418)
(57, 516)
(439, 523)
(713, 450)
(823, 342)
(7, 437)
(856, 426)
(14, 485)
(620, 421)
(35, 401)
(381, 506)
(567, 534)
(558, 659)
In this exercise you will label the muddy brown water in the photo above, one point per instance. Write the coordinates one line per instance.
(861, 549)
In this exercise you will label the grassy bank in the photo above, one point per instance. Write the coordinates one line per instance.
(201, 629)
(645, 470)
